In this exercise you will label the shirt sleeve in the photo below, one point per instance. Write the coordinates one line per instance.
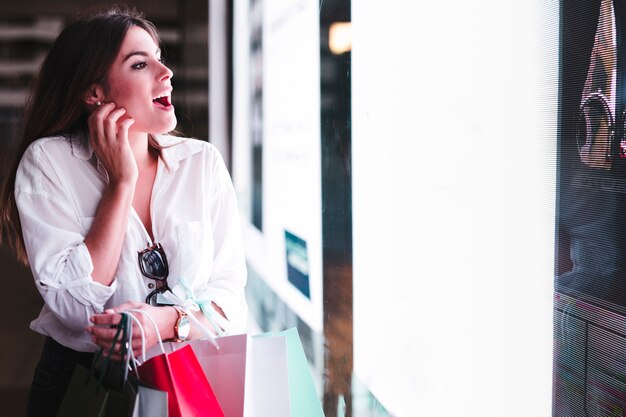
(54, 238)
(226, 286)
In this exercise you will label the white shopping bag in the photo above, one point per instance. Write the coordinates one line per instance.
(249, 375)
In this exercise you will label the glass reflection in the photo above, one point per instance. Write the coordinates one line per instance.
(595, 130)
(590, 298)
(591, 188)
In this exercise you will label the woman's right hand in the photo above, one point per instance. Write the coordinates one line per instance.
(108, 137)
(103, 328)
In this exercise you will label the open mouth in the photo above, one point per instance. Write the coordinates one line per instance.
(162, 101)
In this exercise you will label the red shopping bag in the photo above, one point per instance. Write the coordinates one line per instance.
(181, 376)
(179, 373)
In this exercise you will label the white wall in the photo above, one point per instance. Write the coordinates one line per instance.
(454, 144)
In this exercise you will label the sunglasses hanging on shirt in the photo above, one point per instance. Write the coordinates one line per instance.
(153, 265)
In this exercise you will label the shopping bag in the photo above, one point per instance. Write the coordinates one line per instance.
(304, 400)
(114, 375)
(107, 390)
(141, 400)
(100, 391)
(249, 376)
(268, 378)
(263, 375)
(150, 402)
(179, 374)
(121, 401)
(85, 396)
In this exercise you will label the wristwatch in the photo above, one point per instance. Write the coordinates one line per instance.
(182, 326)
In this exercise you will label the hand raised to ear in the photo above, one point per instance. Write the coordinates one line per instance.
(108, 136)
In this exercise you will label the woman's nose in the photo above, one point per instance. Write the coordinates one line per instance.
(166, 73)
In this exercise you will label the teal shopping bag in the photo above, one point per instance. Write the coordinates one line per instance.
(303, 398)
(305, 401)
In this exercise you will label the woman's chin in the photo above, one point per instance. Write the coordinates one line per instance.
(172, 124)
(165, 127)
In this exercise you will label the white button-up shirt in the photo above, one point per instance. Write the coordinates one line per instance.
(194, 214)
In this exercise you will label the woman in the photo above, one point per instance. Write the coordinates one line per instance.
(112, 214)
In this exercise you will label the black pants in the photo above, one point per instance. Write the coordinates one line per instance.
(52, 377)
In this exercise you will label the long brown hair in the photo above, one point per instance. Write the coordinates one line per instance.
(80, 57)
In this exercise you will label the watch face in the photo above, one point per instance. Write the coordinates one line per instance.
(184, 326)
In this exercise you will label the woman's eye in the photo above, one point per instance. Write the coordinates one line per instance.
(162, 60)
(139, 66)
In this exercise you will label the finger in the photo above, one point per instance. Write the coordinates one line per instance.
(108, 345)
(137, 345)
(106, 334)
(110, 123)
(124, 126)
(138, 353)
(102, 111)
(105, 345)
(107, 318)
(96, 120)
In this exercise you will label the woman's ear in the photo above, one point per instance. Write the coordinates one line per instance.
(95, 95)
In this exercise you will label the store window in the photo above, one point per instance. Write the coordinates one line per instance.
(590, 298)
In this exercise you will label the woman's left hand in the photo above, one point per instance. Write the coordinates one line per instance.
(104, 327)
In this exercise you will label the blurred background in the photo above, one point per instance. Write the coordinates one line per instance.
(395, 169)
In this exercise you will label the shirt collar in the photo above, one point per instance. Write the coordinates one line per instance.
(80, 147)
(175, 149)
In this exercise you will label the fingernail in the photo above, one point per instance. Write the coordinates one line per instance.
(93, 339)
(92, 319)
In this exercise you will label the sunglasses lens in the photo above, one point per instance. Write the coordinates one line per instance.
(153, 264)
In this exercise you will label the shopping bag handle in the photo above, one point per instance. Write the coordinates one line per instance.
(120, 335)
(131, 361)
(194, 319)
(156, 329)
(143, 333)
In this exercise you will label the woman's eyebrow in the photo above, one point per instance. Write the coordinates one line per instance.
(141, 53)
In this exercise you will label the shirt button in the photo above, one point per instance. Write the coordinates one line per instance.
(151, 285)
